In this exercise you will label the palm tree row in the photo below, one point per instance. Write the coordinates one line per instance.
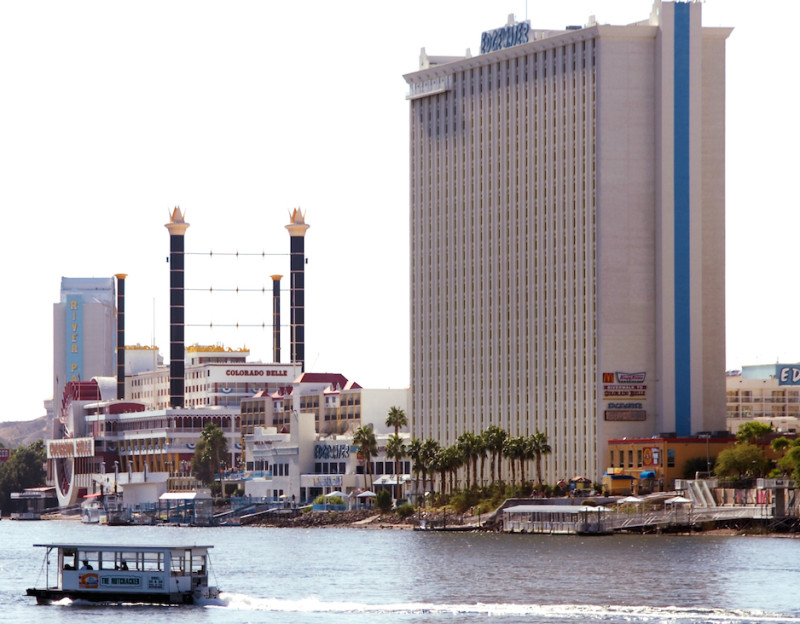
(470, 452)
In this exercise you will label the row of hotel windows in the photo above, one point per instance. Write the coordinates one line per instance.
(378, 468)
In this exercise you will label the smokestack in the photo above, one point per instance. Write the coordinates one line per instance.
(276, 317)
(177, 229)
(120, 335)
(297, 232)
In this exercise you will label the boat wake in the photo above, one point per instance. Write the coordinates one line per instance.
(565, 612)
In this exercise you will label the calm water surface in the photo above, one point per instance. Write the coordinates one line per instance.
(360, 575)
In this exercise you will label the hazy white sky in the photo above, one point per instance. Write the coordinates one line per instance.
(112, 113)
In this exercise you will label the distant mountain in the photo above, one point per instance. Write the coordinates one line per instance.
(23, 432)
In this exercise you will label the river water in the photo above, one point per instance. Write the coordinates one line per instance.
(365, 575)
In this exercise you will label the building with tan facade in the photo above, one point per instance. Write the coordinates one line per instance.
(567, 219)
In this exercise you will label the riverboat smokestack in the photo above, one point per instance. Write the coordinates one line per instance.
(120, 335)
(276, 318)
(297, 232)
(177, 371)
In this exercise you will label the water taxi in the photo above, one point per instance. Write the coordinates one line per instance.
(142, 574)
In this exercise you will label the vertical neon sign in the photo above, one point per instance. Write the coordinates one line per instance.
(74, 338)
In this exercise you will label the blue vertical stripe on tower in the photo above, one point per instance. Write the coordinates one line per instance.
(682, 178)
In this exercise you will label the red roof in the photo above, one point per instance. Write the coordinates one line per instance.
(335, 380)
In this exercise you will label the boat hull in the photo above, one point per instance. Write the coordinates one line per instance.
(48, 596)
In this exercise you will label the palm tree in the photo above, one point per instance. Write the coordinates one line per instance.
(209, 452)
(453, 460)
(364, 438)
(480, 443)
(446, 462)
(429, 449)
(513, 449)
(415, 453)
(397, 450)
(539, 446)
(468, 448)
(495, 437)
(396, 418)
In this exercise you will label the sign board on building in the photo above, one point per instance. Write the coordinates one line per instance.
(505, 37)
(627, 415)
(789, 376)
(70, 447)
(626, 394)
(74, 338)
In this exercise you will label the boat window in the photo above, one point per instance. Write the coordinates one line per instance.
(179, 561)
(199, 564)
(89, 560)
(152, 561)
(70, 559)
(126, 561)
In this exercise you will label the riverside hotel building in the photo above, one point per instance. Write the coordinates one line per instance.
(567, 223)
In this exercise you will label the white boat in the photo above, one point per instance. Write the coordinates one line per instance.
(104, 509)
(127, 573)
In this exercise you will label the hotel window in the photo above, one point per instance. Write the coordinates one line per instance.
(630, 459)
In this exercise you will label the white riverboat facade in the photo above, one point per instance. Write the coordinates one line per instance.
(127, 573)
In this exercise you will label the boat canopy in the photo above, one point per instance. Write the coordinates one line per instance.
(133, 547)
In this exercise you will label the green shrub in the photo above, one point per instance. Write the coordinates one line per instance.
(405, 510)
(383, 501)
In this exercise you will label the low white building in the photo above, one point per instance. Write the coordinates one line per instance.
(300, 465)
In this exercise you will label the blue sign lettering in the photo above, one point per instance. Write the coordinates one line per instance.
(506, 37)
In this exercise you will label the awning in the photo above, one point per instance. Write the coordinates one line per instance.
(647, 474)
(178, 496)
(677, 500)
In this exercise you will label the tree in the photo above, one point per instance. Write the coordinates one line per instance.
(383, 501)
(743, 460)
(697, 464)
(415, 454)
(751, 432)
(539, 447)
(430, 448)
(396, 418)
(24, 469)
(513, 450)
(483, 453)
(790, 462)
(495, 438)
(209, 452)
(364, 438)
(781, 445)
(395, 449)
(468, 448)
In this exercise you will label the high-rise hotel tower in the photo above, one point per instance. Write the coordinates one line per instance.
(568, 236)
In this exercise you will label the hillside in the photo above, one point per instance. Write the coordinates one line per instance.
(22, 432)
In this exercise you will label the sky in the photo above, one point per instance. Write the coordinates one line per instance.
(113, 113)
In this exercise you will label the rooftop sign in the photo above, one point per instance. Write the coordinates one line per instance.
(789, 376)
(505, 37)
